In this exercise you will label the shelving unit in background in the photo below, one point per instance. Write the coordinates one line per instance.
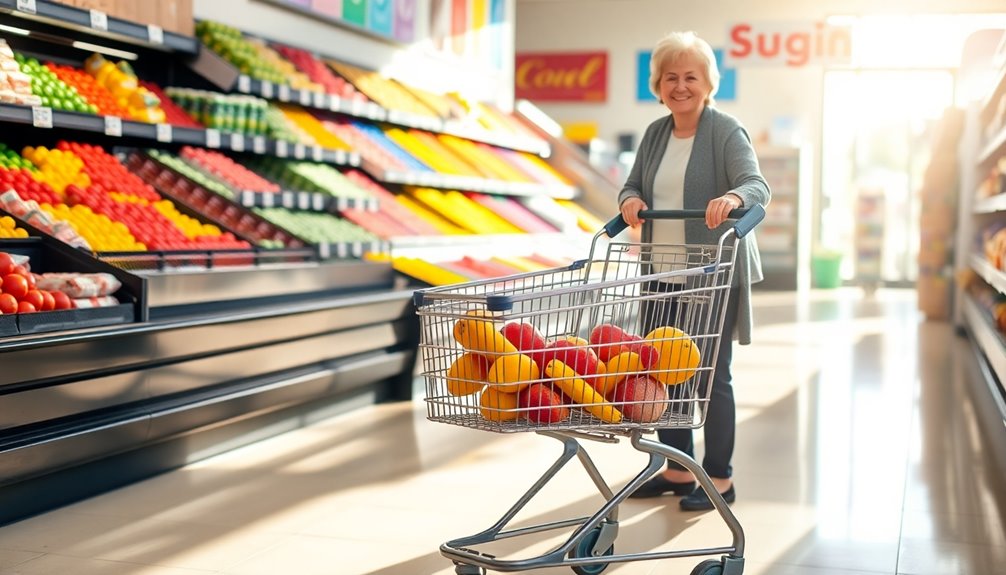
(784, 235)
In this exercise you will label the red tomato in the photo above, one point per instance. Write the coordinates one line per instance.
(25, 307)
(48, 301)
(7, 303)
(15, 285)
(34, 297)
(6, 263)
(61, 299)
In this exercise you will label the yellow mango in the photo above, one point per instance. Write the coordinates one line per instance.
(679, 356)
(618, 368)
(467, 375)
(512, 373)
(579, 391)
(496, 405)
(481, 335)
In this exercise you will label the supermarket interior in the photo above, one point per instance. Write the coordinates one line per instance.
(269, 270)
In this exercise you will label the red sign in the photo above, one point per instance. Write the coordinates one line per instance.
(561, 77)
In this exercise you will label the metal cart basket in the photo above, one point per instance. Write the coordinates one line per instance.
(610, 347)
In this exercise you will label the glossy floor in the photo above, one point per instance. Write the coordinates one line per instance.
(857, 454)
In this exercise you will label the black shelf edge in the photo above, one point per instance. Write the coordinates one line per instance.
(168, 134)
(470, 184)
(79, 19)
(303, 201)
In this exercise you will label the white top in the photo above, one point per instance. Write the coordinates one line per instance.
(669, 189)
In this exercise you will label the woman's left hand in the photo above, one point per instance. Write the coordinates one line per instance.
(719, 209)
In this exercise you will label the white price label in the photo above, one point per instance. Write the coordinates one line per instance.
(317, 202)
(284, 93)
(41, 117)
(99, 20)
(244, 83)
(267, 89)
(113, 126)
(238, 142)
(357, 108)
(267, 199)
(282, 148)
(340, 157)
(155, 34)
(212, 138)
(303, 201)
(317, 153)
(299, 151)
(305, 98)
(319, 99)
(164, 133)
(26, 6)
(288, 200)
(325, 251)
(334, 103)
(258, 144)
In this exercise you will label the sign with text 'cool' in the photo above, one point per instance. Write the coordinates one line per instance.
(561, 77)
(788, 43)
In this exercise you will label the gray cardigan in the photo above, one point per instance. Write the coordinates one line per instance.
(723, 160)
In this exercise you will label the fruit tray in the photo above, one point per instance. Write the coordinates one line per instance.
(48, 254)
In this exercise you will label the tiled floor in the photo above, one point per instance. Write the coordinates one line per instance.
(857, 454)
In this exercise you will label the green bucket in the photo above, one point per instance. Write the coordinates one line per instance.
(825, 268)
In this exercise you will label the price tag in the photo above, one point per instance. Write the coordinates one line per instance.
(288, 200)
(267, 199)
(212, 138)
(41, 116)
(26, 6)
(340, 157)
(303, 201)
(299, 151)
(244, 83)
(305, 98)
(284, 93)
(164, 133)
(258, 144)
(237, 142)
(155, 34)
(319, 99)
(334, 103)
(317, 153)
(341, 204)
(282, 148)
(325, 250)
(317, 202)
(341, 250)
(357, 108)
(113, 126)
(267, 89)
(99, 20)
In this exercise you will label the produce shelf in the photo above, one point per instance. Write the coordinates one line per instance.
(991, 275)
(991, 344)
(992, 150)
(95, 23)
(42, 117)
(467, 183)
(304, 201)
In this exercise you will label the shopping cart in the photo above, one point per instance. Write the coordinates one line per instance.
(604, 349)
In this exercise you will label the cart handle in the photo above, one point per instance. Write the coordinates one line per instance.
(747, 219)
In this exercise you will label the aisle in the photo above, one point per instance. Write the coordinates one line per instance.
(857, 455)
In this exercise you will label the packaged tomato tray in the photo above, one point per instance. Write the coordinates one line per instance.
(41, 265)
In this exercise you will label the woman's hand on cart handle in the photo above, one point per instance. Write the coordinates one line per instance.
(718, 210)
(630, 209)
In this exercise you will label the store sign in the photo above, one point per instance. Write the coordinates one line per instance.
(793, 44)
(381, 17)
(562, 77)
(405, 20)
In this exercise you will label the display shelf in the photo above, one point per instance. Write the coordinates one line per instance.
(991, 205)
(992, 276)
(782, 238)
(99, 25)
(467, 183)
(304, 201)
(48, 118)
(993, 349)
(993, 149)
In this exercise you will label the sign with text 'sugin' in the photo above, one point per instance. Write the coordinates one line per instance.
(561, 76)
(788, 43)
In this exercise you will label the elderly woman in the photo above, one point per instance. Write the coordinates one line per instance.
(698, 157)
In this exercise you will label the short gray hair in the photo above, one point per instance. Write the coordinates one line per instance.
(677, 44)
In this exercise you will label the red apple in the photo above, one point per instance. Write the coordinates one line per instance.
(580, 359)
(526, 338)
(648, 354)
(545, 405)
(607, 339)
(645, 398)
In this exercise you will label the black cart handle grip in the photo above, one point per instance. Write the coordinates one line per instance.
(747, 219)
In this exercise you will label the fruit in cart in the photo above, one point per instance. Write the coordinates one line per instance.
(543, 405)
(581, 392)
(467, 374)
(577, 356)
(679, 355)
(513, 372)
(527, 339)
(480, 335)
(496, 405)
(607, 340)
(642, 398)
(618, 368)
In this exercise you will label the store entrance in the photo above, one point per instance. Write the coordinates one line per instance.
(876, 144)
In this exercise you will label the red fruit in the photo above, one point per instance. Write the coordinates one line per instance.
(607, 339)
(15, 285)
(545, 405)
(580, 359)
(647, 398)
(6, 264)
(648, 354)
(8, 304)
(526, 338)
(48, 302)
(34, 297)
(61, 300)
(25, 307)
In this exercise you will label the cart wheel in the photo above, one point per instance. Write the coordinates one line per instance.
(584, 550)
(461, 569)
(709, 567)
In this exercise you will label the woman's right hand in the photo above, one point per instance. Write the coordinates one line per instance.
(630, 209)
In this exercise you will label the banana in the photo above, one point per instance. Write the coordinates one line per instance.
(579, 391)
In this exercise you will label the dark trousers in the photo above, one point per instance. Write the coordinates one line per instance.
(721, 413)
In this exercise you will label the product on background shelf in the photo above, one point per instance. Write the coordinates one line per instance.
(485, 157)
(462, 211)
(231, 113)
(15, 85)
(193, 173)
(223, 168)
(312, 127)
(121, 82)
(317, 228)
(320, 73)
(426, 272)
(231, 45)
(173, 113)
(90, 90)
(52, 92)
(587, 221)
(514, 212)
(22, 291)
(429, 216)
(389, 204)
(385, 92)
(432, 152)
(552, 212)
(534, 166)
(10, 229)
(441, 104)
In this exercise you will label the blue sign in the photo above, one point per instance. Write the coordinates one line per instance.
(728, 78)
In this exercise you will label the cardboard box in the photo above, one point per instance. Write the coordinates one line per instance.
(186, 22)
(126, 9)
